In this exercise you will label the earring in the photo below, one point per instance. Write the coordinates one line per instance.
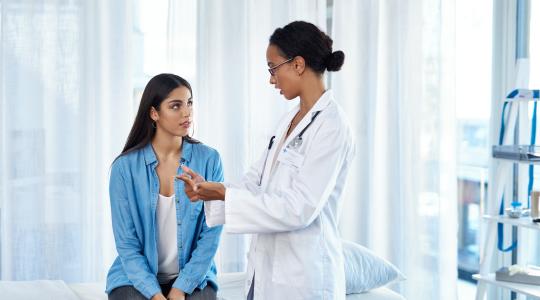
(154, 124)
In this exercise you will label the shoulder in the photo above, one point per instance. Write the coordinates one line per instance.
(125, 161)
(202, 151)
(335, 124)
(335, 118)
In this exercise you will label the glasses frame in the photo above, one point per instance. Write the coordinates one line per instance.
(273, 69)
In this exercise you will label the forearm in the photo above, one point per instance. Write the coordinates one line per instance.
(195, 270)
(292, 209)
(211, 191)
(138, 272)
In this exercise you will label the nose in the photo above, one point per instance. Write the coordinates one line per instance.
(186, 112)
(272, 80)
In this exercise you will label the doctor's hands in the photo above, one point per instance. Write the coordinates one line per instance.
(197, 188)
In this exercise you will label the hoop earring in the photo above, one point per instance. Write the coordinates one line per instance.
(154, 124)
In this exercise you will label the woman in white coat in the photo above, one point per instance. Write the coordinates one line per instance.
(291, 198)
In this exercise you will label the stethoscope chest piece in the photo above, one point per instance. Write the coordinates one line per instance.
(295, 143)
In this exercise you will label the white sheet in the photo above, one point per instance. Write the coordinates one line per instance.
(89, 291)
(231, 287)
(377, 294)
(36, 289)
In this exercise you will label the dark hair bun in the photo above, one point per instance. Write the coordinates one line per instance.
(304, 39)
(335, 60)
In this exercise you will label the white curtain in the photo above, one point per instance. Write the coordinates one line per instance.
(237, 107)
(65, 111)
(397, 86)
(66, 107)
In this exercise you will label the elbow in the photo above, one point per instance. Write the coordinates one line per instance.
(302, 219)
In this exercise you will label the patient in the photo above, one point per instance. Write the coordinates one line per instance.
(165, 250)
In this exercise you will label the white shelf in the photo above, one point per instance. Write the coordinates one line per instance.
(526, 289)
(523, 221)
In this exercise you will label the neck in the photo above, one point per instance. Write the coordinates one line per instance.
(309, 96)
(166, 146)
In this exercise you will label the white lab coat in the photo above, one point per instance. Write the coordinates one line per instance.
(296, 250)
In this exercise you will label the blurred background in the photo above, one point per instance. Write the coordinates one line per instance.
(420, 84)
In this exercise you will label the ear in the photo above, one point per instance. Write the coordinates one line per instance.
(299, 65)
(154, 114)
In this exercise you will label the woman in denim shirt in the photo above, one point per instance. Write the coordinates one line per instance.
(165, 250)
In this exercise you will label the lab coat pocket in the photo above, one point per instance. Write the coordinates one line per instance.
(291, 158)
(298, 263)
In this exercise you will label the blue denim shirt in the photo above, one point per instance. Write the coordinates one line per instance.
(134, 191)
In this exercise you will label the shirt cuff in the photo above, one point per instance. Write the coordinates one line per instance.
(214, 212)
(184, 284)
(150, 290)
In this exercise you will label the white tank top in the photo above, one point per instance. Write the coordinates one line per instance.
(167, 245)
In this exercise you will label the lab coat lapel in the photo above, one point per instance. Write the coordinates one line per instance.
(280, 133)
(321, 104)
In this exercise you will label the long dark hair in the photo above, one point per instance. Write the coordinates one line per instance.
(304, 39)
(157, 89)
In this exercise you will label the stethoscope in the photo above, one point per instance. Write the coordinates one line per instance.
(294, 144)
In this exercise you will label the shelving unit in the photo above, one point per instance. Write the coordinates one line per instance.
(507, 154)
(525, 289)
(523, 222)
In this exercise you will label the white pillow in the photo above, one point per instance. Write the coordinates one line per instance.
(36, 289)
(364, 270)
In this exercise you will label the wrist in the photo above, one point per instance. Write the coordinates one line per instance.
(158, 296)
(223, 190)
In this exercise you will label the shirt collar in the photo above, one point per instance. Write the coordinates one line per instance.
(323, 101)
(150, 155)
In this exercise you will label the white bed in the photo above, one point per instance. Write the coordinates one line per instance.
(231, 288)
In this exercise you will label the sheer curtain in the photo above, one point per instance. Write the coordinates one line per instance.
(237, 107)
(65, 111)
(397, 85)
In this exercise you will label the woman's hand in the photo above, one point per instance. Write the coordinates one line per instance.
(176, 294)
(158, 296)
(197, 188)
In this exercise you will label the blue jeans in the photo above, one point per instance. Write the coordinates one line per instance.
(128, 292)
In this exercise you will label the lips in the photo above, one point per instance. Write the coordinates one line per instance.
(186, 124)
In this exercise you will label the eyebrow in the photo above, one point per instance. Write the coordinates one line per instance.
(179, 100)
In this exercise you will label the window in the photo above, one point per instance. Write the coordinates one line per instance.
(473, 98)
(164, 41)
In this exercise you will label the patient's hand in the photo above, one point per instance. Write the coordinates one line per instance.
(176, 294)
(158, 296)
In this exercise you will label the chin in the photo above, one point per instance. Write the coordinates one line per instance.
(289, 97)
(182, 133)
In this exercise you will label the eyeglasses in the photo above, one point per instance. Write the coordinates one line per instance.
(273, 69)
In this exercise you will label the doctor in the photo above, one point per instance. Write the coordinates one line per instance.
(291, 198)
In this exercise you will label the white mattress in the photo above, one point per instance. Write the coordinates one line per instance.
(231, 287)
(89, 291)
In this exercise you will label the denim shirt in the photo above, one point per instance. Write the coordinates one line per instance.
(134, 191)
